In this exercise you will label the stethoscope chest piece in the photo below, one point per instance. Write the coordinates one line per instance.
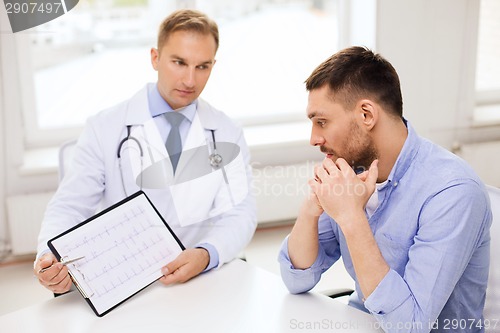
(215, 160)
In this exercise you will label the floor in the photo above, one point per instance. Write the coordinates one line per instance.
(20, 289)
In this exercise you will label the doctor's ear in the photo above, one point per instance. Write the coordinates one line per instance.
(154, 58)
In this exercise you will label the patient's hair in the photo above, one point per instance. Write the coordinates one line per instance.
(356, 73)
(187, 20)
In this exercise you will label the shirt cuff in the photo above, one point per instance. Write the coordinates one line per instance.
(317, 265)
(212, 252)
(298, 280)
(389, 295)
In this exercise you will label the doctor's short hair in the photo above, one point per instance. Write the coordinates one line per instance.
(187, 20)
(356, 73)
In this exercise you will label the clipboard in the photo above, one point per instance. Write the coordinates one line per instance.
(124, 248)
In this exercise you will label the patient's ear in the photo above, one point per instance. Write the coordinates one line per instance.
(369, 113)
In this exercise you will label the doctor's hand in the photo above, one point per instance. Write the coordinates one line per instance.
(56, 278)
(188, 264)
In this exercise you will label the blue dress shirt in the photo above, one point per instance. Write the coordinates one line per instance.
(432, 227)
(157, 107)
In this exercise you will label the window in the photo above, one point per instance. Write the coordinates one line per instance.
(98, 55)
(488, 64)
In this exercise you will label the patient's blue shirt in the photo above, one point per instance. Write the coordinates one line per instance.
(432, 227)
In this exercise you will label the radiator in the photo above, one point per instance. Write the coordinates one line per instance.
(280, 191)
(24, 215)
(484, 158)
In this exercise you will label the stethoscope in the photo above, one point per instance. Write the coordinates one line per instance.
(215, 159)
(125, 139)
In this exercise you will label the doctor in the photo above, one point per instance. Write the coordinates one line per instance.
(122, 150)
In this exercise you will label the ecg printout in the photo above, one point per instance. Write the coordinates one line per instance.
(124, 248)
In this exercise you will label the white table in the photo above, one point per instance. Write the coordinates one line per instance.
(238, 297)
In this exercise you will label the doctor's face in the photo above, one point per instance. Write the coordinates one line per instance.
(184, 65)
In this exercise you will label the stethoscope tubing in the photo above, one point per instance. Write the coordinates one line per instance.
(125, 139)
(215, 159)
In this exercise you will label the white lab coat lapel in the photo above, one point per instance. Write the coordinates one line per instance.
(155, 170)
(193, 199)
(198, 136)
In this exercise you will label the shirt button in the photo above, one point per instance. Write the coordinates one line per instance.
(396, 184)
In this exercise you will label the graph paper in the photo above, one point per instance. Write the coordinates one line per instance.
(124, 249)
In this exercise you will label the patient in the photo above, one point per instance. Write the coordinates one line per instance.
(410, 220)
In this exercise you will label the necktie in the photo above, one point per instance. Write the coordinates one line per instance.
(174, 143)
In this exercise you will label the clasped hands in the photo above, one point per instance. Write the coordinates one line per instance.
(337, 190)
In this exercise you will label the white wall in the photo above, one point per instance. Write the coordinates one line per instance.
(3, 158)
(432, 44)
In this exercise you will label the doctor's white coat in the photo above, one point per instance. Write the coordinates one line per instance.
(203, 210)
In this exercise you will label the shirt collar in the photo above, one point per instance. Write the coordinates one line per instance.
(406, 156)
(158, 106)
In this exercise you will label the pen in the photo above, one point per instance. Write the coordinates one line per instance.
(65, 262)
